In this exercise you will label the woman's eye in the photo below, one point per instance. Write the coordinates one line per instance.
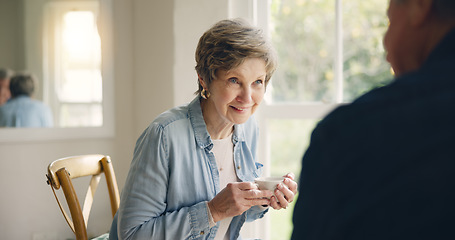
(259, 81)
(233, 80)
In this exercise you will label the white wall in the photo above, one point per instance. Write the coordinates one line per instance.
(192, 19)
(153, 60)
(11, 37)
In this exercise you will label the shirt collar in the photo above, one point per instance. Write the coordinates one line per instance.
(201, 134)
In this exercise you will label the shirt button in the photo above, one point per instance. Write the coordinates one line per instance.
(238, 167)
(202, 233)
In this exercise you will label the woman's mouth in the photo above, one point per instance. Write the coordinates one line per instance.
(241, 109)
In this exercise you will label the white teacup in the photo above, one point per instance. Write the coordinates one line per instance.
(268, 183)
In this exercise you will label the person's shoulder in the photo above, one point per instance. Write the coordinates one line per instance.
(170, 116)
(38, 103)
(363, 111)
(9, 105)
(380, 104)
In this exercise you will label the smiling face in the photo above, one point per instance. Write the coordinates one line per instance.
(234, 95)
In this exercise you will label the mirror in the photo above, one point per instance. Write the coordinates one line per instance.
(66, 45)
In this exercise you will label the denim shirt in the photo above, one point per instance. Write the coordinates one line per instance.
(174, 174)
(22, 111)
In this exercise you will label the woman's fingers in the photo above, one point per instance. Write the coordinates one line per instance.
(289, 190)
(285, 193)
(274, 203)
(290, 175)
(236, 198)
(251, 192)
(245, 185)
(291, 185)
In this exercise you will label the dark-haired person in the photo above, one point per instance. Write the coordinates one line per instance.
(193, 168)
(383, 166)
(21, 110)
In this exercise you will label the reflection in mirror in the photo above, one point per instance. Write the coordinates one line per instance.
(67, 45)
(21, 110)
(58, 41)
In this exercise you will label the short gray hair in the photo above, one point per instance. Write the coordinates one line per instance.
(227, 44)
(22, 84)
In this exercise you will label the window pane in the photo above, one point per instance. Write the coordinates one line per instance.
(302, 31)
(365, 66)
(81, 85)
(81, 115)
(81, 79)
(289, 140)
(78, 82)
(82, 43)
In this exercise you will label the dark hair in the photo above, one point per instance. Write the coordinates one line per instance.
(445, 9)
(227, 44)
(22, 84)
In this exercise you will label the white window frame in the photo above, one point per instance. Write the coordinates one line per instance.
(257, 12)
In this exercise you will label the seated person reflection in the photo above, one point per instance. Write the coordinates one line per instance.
(21, 110)
(193, 168)
(5, 93)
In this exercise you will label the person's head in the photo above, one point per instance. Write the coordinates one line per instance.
(230, 59)
(416, 27)
(5, 94)
(22, 84)
(226, 45)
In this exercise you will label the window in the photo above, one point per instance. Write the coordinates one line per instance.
(330, 52)
(73, 64)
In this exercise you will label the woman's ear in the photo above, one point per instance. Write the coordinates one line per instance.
(201, 81)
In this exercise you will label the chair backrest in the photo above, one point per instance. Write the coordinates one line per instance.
(60, 174)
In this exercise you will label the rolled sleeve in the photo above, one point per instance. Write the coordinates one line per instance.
(199, 219)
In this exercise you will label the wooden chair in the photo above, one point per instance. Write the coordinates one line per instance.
(62, 171)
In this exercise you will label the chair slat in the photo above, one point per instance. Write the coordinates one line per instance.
(60, 174)
(94, 181)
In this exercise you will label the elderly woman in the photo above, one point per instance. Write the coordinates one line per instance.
(193, 168)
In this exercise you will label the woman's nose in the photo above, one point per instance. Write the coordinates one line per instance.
(245, 95)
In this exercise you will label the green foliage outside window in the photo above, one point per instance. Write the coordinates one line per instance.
(303, 33)
(365, 66)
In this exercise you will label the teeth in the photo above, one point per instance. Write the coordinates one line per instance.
(241, 109)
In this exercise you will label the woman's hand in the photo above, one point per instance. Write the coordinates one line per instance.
(284, 194)
(236, 198)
